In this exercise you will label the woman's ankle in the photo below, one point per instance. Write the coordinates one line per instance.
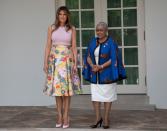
(106, 122)
(66, 120)
(59, 119)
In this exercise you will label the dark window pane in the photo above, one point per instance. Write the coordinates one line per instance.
(130, 17)
(113, 3)
(130, 37)
(87, 36)
(75, 18)
(72, 4)
(87, 4)
(87, 19)
(78, 38)
(83, 53)
(131, 56)
(114, 18)
(132, 75)
(116, 35)
(129, 3)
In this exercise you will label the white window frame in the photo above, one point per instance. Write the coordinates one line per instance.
(100, 7)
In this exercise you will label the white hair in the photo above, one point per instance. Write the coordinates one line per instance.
(103, 25)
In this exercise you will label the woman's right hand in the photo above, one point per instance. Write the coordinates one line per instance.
(45, 68)
(94, 68)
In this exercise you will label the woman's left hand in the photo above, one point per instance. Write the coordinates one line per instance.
(96, 68)
(74, 69)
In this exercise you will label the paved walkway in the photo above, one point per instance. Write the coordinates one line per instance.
(70, 129)
(43, 119)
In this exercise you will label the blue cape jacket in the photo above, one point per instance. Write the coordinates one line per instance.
(108, 51)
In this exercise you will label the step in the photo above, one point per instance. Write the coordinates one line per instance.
(124, 102)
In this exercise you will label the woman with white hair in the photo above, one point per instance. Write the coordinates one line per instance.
(102, 68)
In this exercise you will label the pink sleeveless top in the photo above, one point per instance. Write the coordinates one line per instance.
(61, 36)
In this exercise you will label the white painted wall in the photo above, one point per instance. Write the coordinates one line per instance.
(23, 30)
(156, 51)
(23, 33)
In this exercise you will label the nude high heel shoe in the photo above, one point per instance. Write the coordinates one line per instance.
(58, 125)
(67, 125)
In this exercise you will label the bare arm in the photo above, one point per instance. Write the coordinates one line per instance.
(94, 67)
(74, 49)
(102, 66)
(97, 67)
(47, 48)
(89, 61)
(106, 64)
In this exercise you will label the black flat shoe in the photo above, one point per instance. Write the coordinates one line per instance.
(98, 123)
(106, 127)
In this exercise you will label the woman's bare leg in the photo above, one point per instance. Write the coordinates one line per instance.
(67, 101)
(97, 106)
(107, 110)
(59, 106)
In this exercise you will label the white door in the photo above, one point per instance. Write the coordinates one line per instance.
(125, 19)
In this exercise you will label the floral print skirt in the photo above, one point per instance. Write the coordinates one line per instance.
(59, 81)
